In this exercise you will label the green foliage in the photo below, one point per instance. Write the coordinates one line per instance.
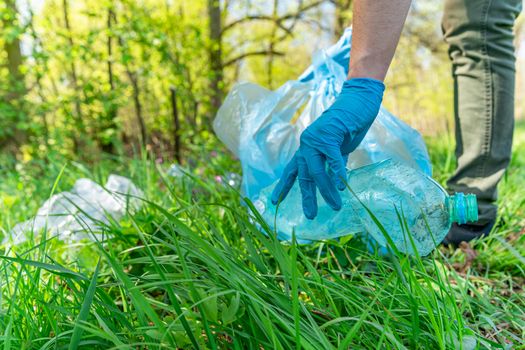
(96, 76)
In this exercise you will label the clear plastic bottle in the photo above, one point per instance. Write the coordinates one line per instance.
(390, 190)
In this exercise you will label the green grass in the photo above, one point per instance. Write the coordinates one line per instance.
(192, 269)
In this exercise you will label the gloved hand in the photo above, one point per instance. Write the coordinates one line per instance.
(331, 138)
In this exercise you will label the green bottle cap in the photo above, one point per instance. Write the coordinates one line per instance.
(462, 208)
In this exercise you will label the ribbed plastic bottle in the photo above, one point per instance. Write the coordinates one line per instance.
(399, 197)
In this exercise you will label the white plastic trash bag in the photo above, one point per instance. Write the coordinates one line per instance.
(81, 212)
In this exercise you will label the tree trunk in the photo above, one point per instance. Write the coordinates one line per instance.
(79, 119)
(14, 54)
(133, 78)
(37, 44)
(108, 146)
(216, 67)
(15, 97)
(138, 106)
(176, 125)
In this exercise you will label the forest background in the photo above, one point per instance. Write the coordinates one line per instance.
(82, 79)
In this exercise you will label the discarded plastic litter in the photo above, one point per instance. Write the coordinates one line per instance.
(76, 214)
(263, 127)
(393, 192)
(175, 170)
(230, 179)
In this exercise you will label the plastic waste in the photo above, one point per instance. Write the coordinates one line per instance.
(175, 170)
(262, 127)
(230, 179)
(81, 212)
(404, 200)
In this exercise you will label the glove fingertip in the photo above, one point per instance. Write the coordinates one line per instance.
(309, 216)
(341, 179)
(336, 202)
(309, 213)
(276, 194)
(309, 201)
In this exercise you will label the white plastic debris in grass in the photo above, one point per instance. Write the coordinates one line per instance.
(81, 212)
(176, 170)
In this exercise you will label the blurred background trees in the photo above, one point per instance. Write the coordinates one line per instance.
(83, 78)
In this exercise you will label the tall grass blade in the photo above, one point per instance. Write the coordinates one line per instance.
(84, 310)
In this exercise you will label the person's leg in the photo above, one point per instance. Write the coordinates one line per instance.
(480, 38)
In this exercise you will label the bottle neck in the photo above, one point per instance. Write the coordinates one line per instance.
(462, 208)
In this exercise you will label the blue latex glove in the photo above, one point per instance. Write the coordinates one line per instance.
(331, 138)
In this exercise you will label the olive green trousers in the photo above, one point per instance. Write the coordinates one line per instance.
(480, 38)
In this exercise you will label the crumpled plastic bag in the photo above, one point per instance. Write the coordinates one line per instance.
(262, 127)
(81, 212)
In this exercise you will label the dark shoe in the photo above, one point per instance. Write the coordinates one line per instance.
(466, 233)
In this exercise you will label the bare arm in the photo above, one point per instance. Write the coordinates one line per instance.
(377, 25)
(340, 129)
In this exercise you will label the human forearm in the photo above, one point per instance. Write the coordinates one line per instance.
(339, 130)
(377, 26)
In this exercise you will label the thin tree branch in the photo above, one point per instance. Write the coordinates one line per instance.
(278, 21)
(251, 53)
